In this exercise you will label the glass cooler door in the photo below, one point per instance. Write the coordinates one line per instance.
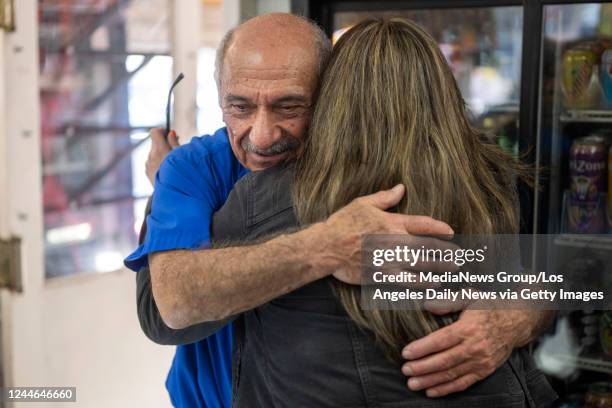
(575, 124)
(573, 142)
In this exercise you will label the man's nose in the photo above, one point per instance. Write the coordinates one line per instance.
(264, 132)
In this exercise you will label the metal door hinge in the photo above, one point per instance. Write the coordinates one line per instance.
(7, 15)
(10, 264)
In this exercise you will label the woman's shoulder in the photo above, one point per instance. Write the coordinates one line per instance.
(267, 195)
(260, 204)
(279, 176)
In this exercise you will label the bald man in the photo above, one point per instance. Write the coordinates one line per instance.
(267, 73)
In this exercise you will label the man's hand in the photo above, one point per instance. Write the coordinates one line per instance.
(364, 216)
(161, 145)
(457, 356)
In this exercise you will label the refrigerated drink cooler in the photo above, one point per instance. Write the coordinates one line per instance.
(573, 134)
(537, 77)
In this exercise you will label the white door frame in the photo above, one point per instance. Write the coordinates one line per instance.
(22, 212)
(4, 228)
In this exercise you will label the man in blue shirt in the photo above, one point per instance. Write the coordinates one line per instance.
(267, 74)
(202, 174)
(196, 178)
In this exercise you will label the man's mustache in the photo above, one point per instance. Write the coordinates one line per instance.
(287, 143)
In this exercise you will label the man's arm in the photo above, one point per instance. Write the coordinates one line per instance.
(154, 327)
(149, 318)
(456, 356)
(192, 287)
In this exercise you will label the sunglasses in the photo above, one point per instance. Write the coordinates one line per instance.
(178, 79)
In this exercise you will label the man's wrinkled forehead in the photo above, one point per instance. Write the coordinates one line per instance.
(269, 63)
(273, 81)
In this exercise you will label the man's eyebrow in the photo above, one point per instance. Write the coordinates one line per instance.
(236, 98)
(294, 98)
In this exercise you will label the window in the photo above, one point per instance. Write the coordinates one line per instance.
(105, 70)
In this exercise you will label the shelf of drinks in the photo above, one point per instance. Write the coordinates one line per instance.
(592, 363)
(599, 242)
(586, 116)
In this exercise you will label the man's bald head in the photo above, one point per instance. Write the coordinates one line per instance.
(271, 36)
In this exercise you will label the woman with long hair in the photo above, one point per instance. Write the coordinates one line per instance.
(388, 112)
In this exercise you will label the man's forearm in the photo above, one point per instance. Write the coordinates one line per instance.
(153, 325)
(535, 322)
(191, 287)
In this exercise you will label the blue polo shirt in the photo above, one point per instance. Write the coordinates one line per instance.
(192, 183)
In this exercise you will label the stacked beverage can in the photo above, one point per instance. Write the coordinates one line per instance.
(578, 65)
(588, 160)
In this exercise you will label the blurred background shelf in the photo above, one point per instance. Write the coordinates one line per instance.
(586, 116)
(593, 363)
(600, 242)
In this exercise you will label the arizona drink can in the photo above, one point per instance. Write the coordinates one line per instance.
(578, 64)
(588, 158)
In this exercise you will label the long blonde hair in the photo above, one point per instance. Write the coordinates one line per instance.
(389, 111)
